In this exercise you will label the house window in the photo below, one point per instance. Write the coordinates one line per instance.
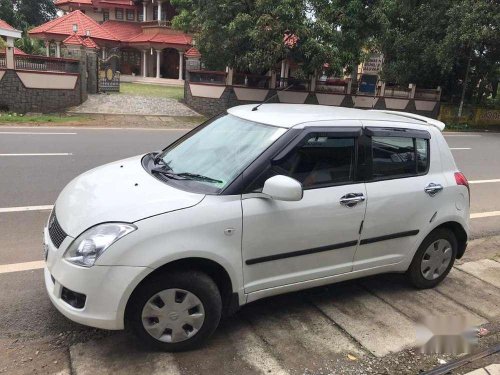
(140, 15)
(130, 15)
(119, 14)
(105, 15)
(163, 13)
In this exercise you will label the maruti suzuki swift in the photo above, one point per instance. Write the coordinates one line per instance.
(253, 203)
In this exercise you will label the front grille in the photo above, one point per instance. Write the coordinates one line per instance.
(56, 233)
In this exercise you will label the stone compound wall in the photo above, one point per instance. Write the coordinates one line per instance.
(15, 97)
(210, 106)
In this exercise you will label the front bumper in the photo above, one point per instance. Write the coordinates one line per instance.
(107, 288)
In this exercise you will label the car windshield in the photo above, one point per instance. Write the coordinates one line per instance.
(217, 153)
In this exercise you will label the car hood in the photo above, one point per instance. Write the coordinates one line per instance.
(121, 191)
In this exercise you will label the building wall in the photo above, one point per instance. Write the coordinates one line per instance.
(16, 97)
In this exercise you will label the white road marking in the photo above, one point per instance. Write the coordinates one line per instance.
(98, 128)
(35, 133)
(460, 148)
(55, 154)
(484, 214)
(24, 209)
(18, 267)
(484, 181)
(462, 135)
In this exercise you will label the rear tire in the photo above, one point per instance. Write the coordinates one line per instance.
(433, 260)
(175, 312)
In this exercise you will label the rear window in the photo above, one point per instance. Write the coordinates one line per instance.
(399, 157)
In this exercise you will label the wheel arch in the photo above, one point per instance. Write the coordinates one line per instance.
(458, 230)
(210, 267)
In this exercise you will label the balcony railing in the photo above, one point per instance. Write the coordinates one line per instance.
(207, 76)
(158, 23)
(46, 64)
(3, 60)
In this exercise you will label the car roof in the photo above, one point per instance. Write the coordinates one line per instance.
(291, 115)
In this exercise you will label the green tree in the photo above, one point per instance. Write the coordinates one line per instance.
(7, 13)
(255, 35)
(429, 43)
(35, 12)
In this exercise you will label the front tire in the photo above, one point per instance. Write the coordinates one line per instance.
(175, 312)
(433, 260)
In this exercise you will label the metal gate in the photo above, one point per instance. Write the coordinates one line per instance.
(109, 75)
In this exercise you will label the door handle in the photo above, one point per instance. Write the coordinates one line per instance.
(352, 199)
(432, 189)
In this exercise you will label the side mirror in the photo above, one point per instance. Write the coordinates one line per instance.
(283, 188)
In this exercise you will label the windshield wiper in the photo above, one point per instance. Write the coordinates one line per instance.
(199, 177)
(167, 173)
(159, 160)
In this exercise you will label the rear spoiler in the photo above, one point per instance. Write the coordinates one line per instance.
(429, 121)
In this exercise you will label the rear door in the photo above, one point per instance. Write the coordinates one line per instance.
(399, 208)
(290, 242)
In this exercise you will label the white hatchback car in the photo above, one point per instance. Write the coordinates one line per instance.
(254, 203)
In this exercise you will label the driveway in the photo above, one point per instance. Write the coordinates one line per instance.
(122, 104)
(365, 326)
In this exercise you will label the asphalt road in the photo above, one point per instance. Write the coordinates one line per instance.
(36, 163)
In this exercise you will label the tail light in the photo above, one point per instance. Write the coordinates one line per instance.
(462, 180)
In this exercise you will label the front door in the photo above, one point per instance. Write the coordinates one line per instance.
(170, 67)
(290, 242)
(399, 210)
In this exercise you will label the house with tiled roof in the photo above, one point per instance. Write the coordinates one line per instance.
(139, 32)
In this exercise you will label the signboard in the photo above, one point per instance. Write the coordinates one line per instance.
(373, 64)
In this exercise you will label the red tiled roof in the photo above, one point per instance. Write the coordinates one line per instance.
(5, 25)
(89, 43)
(17, 51)
(64, 26)
(79, 41)
(159, 38)
(77, 2)
(123, 30)
(193, 52)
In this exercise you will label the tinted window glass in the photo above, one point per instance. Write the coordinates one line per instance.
(320, 161)
(399, 156)
(422, 155)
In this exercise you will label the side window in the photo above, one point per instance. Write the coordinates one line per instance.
(399, 156)
(319, 162)
(118, 13)
(422, 155)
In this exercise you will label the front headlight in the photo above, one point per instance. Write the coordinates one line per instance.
(89, 245)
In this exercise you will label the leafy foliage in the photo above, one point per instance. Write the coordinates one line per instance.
(251, 35)
(23, 15)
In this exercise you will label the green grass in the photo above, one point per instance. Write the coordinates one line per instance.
(57, 118)
(169, 92)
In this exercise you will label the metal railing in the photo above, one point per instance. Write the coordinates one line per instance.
(332, 87)
(429, 94)
(397, 92)
(207, 76)
(293, 84)
(251, 80)
(3, 60)
(46, 64)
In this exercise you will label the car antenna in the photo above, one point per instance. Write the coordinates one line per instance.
(272, 97)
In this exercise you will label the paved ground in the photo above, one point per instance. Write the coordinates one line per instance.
(133, 105)
(348, 328)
